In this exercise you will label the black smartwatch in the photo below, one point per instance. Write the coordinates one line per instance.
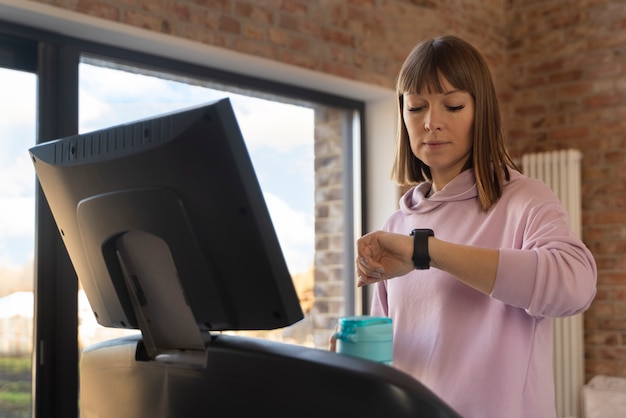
(421, 259)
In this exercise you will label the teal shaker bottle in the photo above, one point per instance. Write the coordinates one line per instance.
(368, 337)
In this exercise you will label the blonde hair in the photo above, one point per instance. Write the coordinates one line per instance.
(465, 69)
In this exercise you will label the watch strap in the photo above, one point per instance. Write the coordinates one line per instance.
(421, 257)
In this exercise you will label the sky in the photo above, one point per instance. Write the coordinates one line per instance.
(279, 138)
(17, 181)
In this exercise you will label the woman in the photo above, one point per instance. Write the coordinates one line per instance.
(472, 292)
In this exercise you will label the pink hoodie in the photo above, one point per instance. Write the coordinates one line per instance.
(488, 356)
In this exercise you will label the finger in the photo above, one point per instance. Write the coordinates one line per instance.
(363, 279)
(369, 272)
(360, 281)
(332, 343)
(362, 261)
(369, 265)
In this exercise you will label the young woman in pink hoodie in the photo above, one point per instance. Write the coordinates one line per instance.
(478, 259)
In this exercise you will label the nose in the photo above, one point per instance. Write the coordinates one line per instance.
(432, 121)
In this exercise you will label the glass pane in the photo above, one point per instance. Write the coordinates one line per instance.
(279, 137)
(17, 229)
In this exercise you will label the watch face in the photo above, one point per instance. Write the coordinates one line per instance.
(421, 258)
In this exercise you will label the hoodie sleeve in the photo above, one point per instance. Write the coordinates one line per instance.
(553, 273)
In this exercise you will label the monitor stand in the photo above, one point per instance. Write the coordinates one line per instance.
(167, 324)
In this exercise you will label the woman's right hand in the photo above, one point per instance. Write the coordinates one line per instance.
(383, 255)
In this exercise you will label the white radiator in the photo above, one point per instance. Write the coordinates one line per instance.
(561, 171)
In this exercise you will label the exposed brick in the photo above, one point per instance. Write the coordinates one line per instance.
(151, 6)
(299, 59)
(569, 133)
(180, 13)
(103, 9)
(299, 7)
(538, 109)
(565, 76)
(617, 216)
(254, 31)
(278, 37)
(343, 38)
(145, 21)
(603, 100)
(229, 25)
(559, 68)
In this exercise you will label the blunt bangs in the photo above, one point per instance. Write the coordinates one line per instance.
(430, 61)
(421, 74)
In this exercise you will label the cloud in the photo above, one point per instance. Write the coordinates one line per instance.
(263, 122)
(17, 124)
(17, 98)
(110, 97)
(17, 216)
(296, 233)
(18, 177)
(272, 124)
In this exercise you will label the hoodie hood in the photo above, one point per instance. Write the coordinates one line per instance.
(462, 187)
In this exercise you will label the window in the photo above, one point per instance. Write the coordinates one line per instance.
(280, 139)
(17, 239)
(62, 64)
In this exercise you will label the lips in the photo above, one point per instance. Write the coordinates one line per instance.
(435, 144)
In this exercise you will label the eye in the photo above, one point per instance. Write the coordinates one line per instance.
(455, 108)
(414, 108)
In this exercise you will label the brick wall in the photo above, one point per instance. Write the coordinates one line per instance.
(567, 67)
(559, 66)
(365, 40)
(330, 275)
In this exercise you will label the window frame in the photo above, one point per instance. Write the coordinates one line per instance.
(55, 58)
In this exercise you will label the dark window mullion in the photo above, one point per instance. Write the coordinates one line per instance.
(55, 354)
(18, 54)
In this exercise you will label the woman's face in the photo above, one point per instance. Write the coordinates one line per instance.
(440, 130)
